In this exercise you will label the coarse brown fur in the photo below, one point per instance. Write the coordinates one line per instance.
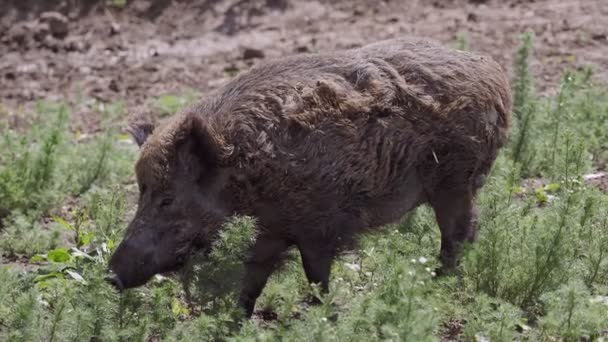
(321, 147)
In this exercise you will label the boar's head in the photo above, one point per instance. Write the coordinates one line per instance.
(181, 199)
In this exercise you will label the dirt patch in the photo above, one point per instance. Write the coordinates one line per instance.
(70, 50)
(599, 179)
(21, 263)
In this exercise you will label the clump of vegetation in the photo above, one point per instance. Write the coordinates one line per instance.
(542, 126)
(169, 104)
(524, 103)
(462, 41)
(537, 272)
(28, 170)
(117, 3)
(212, 280)
(43, 167)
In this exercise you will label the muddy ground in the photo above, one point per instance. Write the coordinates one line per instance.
(136, 51)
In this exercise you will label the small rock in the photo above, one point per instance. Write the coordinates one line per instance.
(52, 44)
(17, 33)
(280, 5)
(596, 175)
(251, 53)
(85, 70)
(599, 36)
(41, 31)
(358, 12)
(114, 86)
(58, 23)
(151, 67)
(600, 299)
(76, 44)
(481, 338)
(302, 49)
(141, 6)
(352, 266)
(472, 17)
(438, 4)
(114, 29)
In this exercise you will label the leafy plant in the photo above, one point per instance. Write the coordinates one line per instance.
(219, 273)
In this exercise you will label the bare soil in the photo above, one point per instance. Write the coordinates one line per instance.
(71, 50)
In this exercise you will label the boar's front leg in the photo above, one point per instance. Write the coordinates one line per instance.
(265, 256)
(318, 252)
(456, 216)
(317, 260)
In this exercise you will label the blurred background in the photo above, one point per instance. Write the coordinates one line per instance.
(133, 50)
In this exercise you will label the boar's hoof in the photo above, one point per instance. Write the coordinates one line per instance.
(312, 300)
(444, 271)
(114, 281)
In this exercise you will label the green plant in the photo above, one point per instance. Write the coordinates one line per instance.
(117, 3)
(28, 170)
(462, 41)
(573, 313)
(221, 272)
(169, 104)
(524, 104)
(46, 164)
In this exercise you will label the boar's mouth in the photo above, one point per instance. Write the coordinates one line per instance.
(180, 262)
(124, 278)
(122, 284)
(196, 250)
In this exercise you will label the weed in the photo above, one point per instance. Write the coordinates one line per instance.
(117, 3)
(462, 41)
(220, 272)
(43, 167)
(169, 104)
(524, 103)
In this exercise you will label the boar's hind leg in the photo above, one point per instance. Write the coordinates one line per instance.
(456, 216)
(265, 257)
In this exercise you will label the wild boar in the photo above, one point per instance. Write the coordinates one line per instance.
(319, 148)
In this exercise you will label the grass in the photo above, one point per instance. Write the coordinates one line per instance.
(537, 272)
(45, 166)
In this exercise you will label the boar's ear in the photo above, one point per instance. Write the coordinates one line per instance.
(200, 145)
(140, 127)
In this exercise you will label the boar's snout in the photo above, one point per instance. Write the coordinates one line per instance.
(132, 264)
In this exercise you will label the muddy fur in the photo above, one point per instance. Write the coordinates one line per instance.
(321, 147)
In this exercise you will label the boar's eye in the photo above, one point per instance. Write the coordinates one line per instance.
(166, 201)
